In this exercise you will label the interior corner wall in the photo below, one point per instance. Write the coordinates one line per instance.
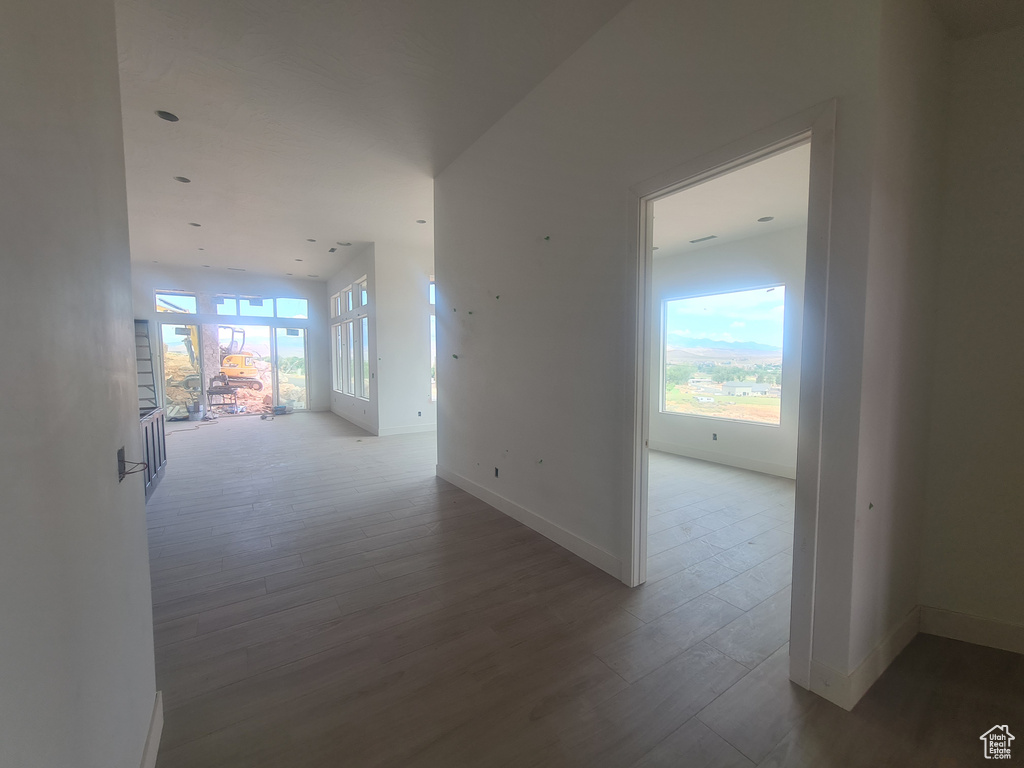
(973, 564)
(363, 412)
(149, 278)
(77, 683)
(779, 257)
(903, 246)
(399, 287)
(542, 385)
(403, 327)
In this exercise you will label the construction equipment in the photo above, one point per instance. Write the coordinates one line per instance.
(237, 367)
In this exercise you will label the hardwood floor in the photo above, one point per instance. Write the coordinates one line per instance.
(322, 599)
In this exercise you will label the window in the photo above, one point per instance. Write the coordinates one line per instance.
(253, 306)
(293, 308)
(364, 338)
(226, 305)
(179, 303)
(350, 361)
(722, 355)
(432, 296)
(351, 342)
(339, 358)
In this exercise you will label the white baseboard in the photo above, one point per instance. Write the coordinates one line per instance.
(846, 690)
(578, 546)
(352, 420)
(972, 629)
(156, 728)
(411, 429)
(765, 467)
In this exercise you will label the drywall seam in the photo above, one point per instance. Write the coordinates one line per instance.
(768, 468)
(972, 629)
(156, 729)
(846, 690)
(578, 546)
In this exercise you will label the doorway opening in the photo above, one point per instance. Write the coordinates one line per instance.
(733, 256)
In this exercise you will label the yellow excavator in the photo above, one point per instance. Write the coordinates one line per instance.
(237, 367)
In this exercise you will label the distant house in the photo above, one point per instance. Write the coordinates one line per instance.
(744, 388)
(699, 382)
(737, 388)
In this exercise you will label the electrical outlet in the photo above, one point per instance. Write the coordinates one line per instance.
(714, 435)
(495, 471)
(419, 413)
(121, 465)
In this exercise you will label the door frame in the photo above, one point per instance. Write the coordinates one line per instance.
(275, 364)
(818, 126)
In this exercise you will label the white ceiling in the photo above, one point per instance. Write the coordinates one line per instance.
(730, 205)
(316, 119)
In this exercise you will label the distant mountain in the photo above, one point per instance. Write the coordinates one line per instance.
(682, 343)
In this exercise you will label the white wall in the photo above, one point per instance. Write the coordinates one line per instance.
(403, 324)
(77, 681)
(149, 278)
(894, 419)
(542, 386)
(399, 336)
(973, 563)
(361, 412)
(770, 259)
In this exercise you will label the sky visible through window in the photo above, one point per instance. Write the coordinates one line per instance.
(723, 355)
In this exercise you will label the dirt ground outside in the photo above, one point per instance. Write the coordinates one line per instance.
(762, 410)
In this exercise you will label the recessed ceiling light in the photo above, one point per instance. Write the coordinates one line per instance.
(702, 239)
(183, 179)
(236, 269)
(310, 240)
(298, 259)
(207, 266)
(331, 250)
(288, 273)
(170, 117)
(766, 218)
(202, 249)
(345, 244)
(312, 275)
(421, 221)
(654, 248)
(193, 224)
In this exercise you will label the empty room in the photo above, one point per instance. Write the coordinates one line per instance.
(354, 419)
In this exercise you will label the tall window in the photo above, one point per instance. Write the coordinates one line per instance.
(351, 333)
(722, 355)
(433, 340)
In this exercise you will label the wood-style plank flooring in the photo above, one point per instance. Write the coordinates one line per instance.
(322, 599)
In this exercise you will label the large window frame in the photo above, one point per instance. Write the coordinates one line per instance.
(714, 389)
(350, 332)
